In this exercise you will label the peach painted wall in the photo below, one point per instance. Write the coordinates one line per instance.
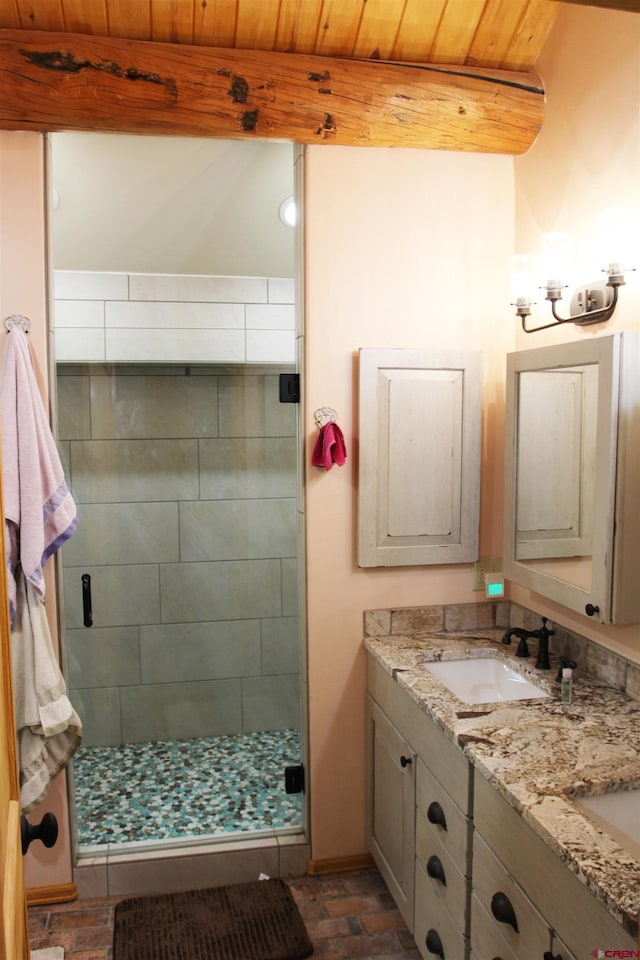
(586, 159)
(402, 249)
(23, 291)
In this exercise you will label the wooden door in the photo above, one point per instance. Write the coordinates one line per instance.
(14, 941)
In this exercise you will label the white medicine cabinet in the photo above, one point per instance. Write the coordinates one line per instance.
(419, 457)
(572, 475)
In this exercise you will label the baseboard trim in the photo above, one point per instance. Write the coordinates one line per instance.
(56, 893)
(319, 868)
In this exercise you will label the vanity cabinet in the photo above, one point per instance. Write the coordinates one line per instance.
(524, 899)
(419, 824)
(471, 878)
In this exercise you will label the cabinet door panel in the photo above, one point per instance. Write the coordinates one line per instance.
(419, 476)
(446, 761)
(391, 803)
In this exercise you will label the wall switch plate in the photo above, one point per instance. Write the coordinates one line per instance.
(483, 566)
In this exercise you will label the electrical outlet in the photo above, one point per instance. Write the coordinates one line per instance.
(483, 566)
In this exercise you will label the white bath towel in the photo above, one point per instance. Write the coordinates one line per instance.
(49, 729)
(39, 510)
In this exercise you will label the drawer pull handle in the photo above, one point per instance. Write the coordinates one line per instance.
(433, 943)
(436, 870)
(435, 814)
(405, 761)
(503, 911)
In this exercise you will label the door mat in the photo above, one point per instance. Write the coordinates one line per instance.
(245, 921)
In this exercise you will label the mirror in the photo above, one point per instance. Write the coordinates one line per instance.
(555, 507)
(568, 515)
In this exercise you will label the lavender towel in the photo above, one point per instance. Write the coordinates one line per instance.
(40, 513)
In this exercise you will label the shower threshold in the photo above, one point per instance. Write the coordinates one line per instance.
(190, 845)
(175, 793)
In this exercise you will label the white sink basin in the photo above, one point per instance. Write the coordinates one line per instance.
(484, 680)
(617, 814)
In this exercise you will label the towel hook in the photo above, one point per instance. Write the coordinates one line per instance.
(17, 321)
(324, 415)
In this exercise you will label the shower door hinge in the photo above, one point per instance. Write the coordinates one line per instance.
(289, 388)
(294, 779)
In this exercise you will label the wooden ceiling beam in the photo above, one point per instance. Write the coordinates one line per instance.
(53, 81)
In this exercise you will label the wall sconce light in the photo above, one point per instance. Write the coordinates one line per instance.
(287, 212)
(589, 303)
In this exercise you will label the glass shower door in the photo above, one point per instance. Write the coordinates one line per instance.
(188, 677)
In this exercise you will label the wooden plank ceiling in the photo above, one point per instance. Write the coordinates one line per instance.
(499, 34)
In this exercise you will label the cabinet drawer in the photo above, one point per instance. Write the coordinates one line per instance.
(567, 906)
(432, 914)
(456, 838)
(454, 890)
(487, 943)
(532, 936)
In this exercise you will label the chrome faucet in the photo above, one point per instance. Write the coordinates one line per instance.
(542, 635)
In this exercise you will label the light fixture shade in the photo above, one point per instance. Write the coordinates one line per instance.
(523, 277)
(618, 231)
(287, 212)
(554, 258)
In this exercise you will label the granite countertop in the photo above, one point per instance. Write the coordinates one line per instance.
(538, 754)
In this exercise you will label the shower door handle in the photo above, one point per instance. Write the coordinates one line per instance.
(87, 615)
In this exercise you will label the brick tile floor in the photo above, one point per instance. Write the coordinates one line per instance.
(349, 916)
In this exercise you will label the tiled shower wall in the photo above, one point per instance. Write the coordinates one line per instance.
(159, 318)
(185, 480)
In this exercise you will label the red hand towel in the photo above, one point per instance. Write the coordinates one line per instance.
(330, 447)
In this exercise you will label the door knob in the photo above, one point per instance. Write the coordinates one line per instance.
(46, 831)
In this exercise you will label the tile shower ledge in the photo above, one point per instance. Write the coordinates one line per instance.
(537, 754)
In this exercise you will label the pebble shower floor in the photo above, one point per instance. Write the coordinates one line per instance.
(179, 789)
